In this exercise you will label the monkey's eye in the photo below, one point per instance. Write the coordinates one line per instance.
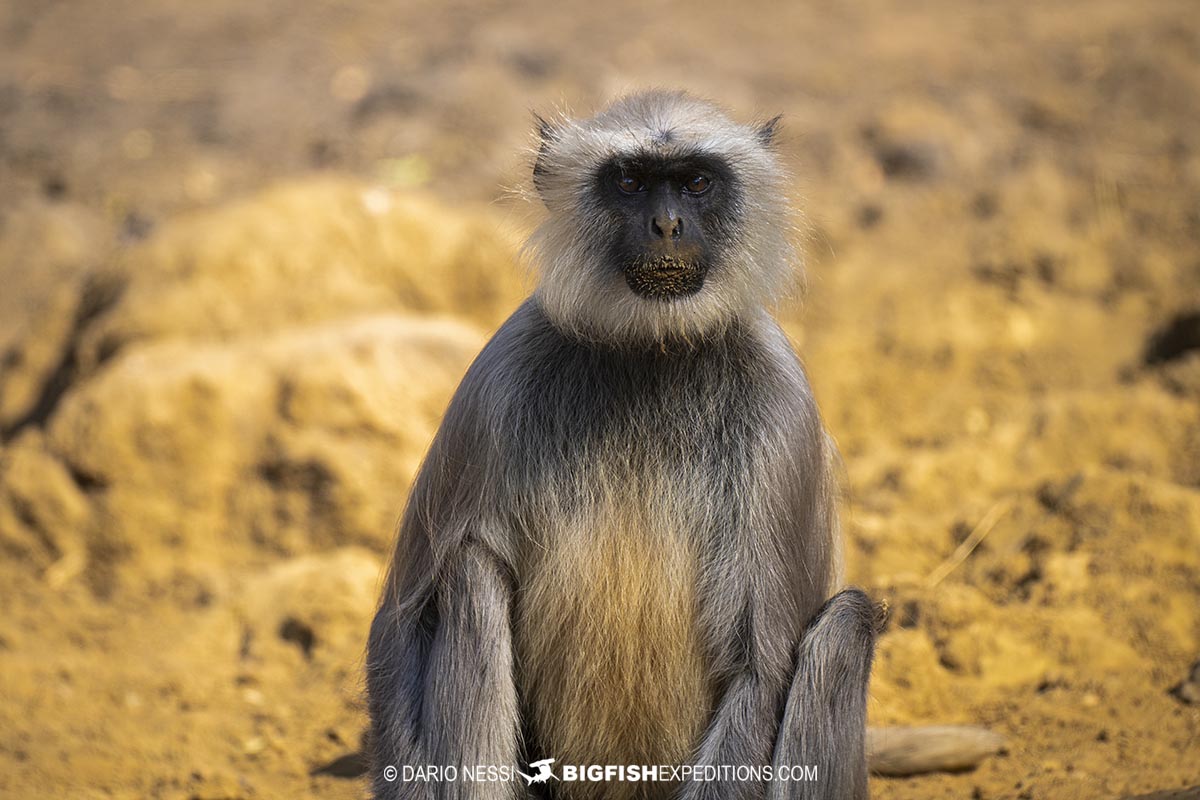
(629, 184)
(697, 184)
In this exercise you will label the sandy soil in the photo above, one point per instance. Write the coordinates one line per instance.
(247, 250)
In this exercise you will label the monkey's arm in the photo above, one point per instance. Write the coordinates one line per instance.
(440, 658)
(441, 682)
(794, 660)
(740, 733)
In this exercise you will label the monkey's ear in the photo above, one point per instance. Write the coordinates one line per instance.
(546, 130)
(547, 134)
(766, 131)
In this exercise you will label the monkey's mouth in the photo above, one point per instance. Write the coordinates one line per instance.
(664, 277)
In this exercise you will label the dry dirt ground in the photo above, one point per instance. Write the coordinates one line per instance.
(248, 248)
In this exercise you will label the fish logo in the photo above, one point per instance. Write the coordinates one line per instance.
(544, 773)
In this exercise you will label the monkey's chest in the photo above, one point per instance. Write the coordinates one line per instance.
(609, 648)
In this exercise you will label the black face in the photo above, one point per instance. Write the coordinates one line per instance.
(668, 214)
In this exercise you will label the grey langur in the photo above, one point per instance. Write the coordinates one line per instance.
(622, 543)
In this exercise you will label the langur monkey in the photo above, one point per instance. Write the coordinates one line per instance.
(621, 546)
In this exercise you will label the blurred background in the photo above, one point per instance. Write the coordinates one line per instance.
(247, 250)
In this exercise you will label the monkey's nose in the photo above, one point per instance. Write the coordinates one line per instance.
(667, 225)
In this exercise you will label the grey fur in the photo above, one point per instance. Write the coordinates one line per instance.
(628, 502)
(829, 691)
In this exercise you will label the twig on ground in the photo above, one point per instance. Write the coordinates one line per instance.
(969, 544)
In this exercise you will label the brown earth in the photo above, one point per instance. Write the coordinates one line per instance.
(247, 250)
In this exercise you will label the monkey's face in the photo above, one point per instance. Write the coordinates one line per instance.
(664, 218)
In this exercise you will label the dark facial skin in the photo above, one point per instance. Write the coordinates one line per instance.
(666, 212)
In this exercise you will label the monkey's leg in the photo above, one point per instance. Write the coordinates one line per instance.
(440, 684)
(825, 720)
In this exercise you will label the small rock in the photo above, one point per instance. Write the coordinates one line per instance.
(1188, 691)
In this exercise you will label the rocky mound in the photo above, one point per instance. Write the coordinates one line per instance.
(196, 431)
